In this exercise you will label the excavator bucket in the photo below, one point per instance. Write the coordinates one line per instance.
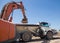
(24, 20)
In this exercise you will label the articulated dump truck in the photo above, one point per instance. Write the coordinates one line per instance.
(10, 32)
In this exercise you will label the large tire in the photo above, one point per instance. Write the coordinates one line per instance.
(49, 35)
(26, 36)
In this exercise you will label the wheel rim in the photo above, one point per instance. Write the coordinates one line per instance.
(26, 37)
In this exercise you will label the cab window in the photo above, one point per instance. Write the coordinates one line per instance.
(44, 24)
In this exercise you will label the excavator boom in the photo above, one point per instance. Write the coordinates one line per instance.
(8, 8)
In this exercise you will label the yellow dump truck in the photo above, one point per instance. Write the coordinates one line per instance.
(26, 31)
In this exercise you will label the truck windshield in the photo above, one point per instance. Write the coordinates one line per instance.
(44, 24)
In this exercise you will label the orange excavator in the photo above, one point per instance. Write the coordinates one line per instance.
(7, 29)
(8, 8)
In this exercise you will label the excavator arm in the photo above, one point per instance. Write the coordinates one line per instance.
(8, 8)
(8, 31)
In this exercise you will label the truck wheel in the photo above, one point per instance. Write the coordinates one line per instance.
(49, 35)
(26, 36)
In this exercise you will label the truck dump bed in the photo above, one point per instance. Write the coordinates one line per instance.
(28, 27)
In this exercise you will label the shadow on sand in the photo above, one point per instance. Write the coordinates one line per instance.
(48, 41)
(34, 40)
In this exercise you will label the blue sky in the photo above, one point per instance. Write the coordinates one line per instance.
(37, 11)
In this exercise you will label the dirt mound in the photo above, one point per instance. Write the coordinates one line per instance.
(58, 34)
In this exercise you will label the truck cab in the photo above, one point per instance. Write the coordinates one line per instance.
(46, 30)
(45, 26)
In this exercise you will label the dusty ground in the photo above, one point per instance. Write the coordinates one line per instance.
(58, 34)
(56, 39)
